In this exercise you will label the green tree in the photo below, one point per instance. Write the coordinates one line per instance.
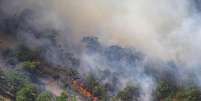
(99, 91)
(74, 98)
(189, 94)
(26, 93)
(165, 91)
(43, 97)
(11, 81)
(28, 66)
(96, 88)
(23, 53)
(62, 97)
(129, 93)
(15, 80)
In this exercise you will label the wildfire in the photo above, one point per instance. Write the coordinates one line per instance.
(82, 90)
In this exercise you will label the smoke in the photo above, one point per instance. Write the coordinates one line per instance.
(136, 37)
(139, 23)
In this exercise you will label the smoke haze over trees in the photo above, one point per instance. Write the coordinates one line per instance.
(129, 47)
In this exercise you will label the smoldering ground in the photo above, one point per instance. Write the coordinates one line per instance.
(164, 33)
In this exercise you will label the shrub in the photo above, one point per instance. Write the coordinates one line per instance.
(62, 97)
(129, 93)
(189, 94)
(24, 55)
(74, 98)
(165, 91)
(15, 80)
(96, 88)
(26, 94)
(28, 66)
(43, 97)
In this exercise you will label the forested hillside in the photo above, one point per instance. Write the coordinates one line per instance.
(100, 50)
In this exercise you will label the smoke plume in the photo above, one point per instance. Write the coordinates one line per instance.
(135, 41)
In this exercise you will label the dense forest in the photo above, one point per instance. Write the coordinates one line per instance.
(22, 80)
(99, 50)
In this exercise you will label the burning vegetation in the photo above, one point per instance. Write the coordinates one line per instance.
(22, 82)
(82, 90)
(43, 60)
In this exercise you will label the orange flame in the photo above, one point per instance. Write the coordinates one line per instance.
(82, 90)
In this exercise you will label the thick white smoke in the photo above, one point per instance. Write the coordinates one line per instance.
(142, 24)
(163, 30)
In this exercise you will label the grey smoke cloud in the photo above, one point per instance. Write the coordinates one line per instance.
(137, 23)
(163, 30)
